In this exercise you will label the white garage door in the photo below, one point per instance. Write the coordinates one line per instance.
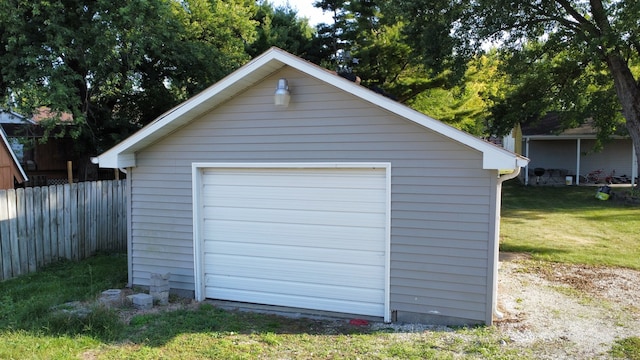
(300, 237)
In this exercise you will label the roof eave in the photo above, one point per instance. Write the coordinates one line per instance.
(123, 154)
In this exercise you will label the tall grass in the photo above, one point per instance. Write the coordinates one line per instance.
(27, 302)
(568, 224)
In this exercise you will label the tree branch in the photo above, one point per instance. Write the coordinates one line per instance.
(539, 20)
(586, 24)
(600, 16)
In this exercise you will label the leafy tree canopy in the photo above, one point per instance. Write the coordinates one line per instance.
(281, 27)
(380, 44)
(116, 65)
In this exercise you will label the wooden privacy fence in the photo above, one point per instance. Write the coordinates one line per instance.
(42, 225)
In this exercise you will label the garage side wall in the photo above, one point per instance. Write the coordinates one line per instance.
(440, 201)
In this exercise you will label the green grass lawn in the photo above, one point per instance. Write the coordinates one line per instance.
(568, 224)
(565, 224)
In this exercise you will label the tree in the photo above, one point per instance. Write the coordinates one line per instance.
(281, 27)
(466, 106)
(566, 48)
(115, 66)
(373, 41)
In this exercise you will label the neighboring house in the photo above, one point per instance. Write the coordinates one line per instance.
(561, 153)
(44, 163)
(343, 201)
(11, 172)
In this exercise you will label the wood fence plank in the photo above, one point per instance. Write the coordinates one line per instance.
(22, 230)
(73, 213)
(46, 225)
(87, 218)
(37, 226)
(5, 238)
(66, 191)
(80, 225)
(30, 239)
(53, 230)
(108, 198)
(13, 233)
(60, 221)
(94, 214)
(99, 218)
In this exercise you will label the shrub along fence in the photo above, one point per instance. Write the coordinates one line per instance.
(42, 225)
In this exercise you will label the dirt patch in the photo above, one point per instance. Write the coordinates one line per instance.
(567, 311)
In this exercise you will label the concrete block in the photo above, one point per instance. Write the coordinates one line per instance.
(111, 297)
(141, 301)
(160, 279)
(159, 288)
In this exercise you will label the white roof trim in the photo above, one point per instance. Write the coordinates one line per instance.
(123, 154)
(13, 155)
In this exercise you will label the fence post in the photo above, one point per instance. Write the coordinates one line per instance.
(70, 172)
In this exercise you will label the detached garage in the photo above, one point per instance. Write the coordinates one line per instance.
(334, 198)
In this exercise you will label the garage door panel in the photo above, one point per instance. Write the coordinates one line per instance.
(372, 309)
(367, 204)
(290, 234)
(290, 178)
(348, 275)
(305, 253)
(251, 216)
(299, 289)
(296, 237)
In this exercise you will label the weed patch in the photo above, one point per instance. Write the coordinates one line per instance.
(628, 348)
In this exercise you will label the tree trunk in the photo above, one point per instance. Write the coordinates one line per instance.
(629, 97)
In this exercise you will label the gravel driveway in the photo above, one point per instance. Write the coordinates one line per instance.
(561, 311)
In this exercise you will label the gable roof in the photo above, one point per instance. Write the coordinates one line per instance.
(551, 127)
(5, 141)
(10, 117)
(123, 154)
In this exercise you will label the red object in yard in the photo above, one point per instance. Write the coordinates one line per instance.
(358, 322)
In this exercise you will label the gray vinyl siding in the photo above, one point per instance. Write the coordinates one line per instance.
(441, 198)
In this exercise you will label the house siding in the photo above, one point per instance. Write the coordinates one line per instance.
(440, 203)
(561, 154)
(617, 155)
